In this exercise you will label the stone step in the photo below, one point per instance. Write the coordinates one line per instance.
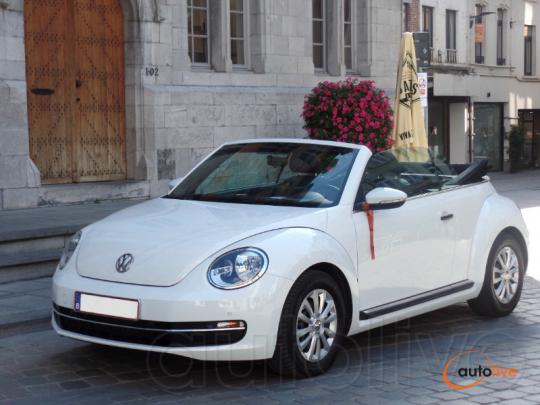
(29, 271)
(87, 193)
(31, 241)
(27, 246)
(37, 256)
(26, 259)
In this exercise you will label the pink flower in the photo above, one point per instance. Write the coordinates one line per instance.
(343, 110)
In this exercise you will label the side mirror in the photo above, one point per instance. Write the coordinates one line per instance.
(174, 183)
(383, 198)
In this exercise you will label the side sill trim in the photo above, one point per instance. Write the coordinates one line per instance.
(415, 300)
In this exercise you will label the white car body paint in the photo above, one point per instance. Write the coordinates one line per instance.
(174, 242)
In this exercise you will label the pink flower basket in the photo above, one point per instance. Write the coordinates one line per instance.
(350, 111)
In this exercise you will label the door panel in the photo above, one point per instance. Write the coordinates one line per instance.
(50, 93)
(414, 250)
(76, 101)
(467, 204)
(99, 82)
(415, 244)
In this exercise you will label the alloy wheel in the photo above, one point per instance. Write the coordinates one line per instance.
(316, 325)
(506, 275)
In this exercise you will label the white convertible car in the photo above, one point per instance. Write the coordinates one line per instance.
(279, 249)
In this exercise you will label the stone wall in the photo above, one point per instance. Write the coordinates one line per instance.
(19, 178)
(191, 121)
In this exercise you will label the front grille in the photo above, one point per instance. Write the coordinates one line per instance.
(164, 334)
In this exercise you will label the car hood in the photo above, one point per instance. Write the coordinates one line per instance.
(169, 238)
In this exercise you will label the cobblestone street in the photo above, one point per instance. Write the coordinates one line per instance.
(398, 364)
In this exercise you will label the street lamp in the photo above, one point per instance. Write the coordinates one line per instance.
(474, 18)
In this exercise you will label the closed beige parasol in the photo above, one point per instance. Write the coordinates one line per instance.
(409, 130)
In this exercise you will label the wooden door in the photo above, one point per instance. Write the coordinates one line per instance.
(75, 79)
(50, 88)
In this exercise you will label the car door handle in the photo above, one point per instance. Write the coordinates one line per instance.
(446, 216)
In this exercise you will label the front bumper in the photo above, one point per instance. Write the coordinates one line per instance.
(178, 319)
(165, 334)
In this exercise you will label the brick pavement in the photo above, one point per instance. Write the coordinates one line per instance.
(398, 364)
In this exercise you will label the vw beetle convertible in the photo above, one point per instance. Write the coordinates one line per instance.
(279, 249)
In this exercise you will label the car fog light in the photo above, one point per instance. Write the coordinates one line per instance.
(231, 324)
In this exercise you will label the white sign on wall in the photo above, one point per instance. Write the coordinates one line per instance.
(423, 88)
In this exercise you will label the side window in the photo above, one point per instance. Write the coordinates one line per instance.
(414, 174)
(382, 170)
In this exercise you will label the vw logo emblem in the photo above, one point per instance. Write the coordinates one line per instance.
(123, 262)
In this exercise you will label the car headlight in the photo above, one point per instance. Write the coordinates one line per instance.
(238, 268)
(69, 249)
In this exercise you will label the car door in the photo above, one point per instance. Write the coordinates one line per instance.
(465, 204)
(414, 244)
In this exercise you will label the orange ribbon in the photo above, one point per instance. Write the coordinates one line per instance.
(371, 220)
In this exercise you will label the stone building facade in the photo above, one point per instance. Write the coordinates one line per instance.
(195, 74)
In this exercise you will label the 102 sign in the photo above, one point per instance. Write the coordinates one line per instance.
(152, 71)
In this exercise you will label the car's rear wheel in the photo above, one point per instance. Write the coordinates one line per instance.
(311, 327)
(503, 281)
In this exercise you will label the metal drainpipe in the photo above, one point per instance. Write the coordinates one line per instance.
(471, 121)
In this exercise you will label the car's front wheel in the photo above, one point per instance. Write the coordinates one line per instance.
(311, 327)
(503, 280)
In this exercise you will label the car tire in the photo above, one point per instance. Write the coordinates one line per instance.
(323, 333)
(503, 281)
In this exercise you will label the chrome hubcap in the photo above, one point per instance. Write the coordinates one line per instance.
(316, 325)
(506, 275)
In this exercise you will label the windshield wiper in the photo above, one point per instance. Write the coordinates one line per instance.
(210, 197)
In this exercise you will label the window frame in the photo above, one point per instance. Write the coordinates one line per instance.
(324, 22)
(451, 37)
(529, 43)
(501, 36)
(352, 23)
(479, 55)
(431, 22)
(245, 39)
(192, 36)
(406, 16)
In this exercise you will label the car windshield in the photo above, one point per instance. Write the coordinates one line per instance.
(289, 174)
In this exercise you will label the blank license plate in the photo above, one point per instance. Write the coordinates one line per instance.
(108, 306)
